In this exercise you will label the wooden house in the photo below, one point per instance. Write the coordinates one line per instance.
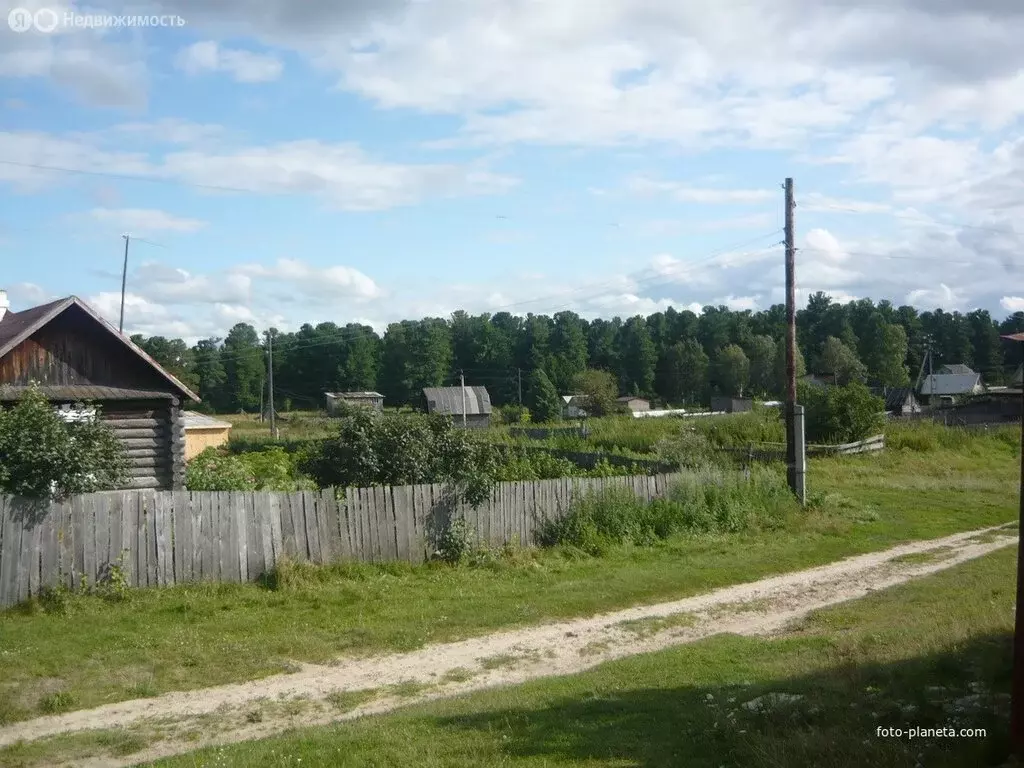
(726, 404)
(202, 432)
(453, 401)
(372, 400)
(77, 358)
(634, 404)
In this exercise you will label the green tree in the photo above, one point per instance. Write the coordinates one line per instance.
(683, 373)
(732, 371)
(600, 391)
(173, 355)
(780, 367)
(45, 456)
(243, 367)
(542, 397)
(358, 371)
(637, 357)
(761, 351)
(885, 346)
(211, 377)
(568, 350)
(987, 346)
(841, 362)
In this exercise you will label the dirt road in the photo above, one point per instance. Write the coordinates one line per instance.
(316, 694)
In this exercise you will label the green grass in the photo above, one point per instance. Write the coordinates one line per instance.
(194, 636)
(932, 653)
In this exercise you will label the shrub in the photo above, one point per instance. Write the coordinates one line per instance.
(514, 414)
(841, 414)
(213, 470)
(45, 456)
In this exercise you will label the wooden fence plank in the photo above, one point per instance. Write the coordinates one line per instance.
(116, 522)
(153, 521)
(327, 523)
(101, 537)
(164, 555)
(265, 537)
(227, 560)
(401, 505)
(310, 513)
(276, 528)
(10, 551)
(240, 514)
(49, 546)
(181, 530)
(130, 535)
(299, 526)
(272, 534)
(250, 535)
(354, 507)
(417, 544)
(380, 524)
(288, 547)
(79, 528)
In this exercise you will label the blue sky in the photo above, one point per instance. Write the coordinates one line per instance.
(413, 157)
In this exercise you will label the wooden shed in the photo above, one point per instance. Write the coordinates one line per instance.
(453, 401)
(202, 432)
(77, 358)
(372, 400)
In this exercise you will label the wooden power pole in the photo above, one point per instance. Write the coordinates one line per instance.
(795, 460)
(270, 382)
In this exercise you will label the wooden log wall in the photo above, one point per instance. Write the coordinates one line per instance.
(147, 433)
(161, 538)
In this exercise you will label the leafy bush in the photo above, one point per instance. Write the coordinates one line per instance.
(272, 469)
(704, 502)
(762, 425)
(45, 456)
(514, 414)
(213, 470)
(407, 449)
(841, 414)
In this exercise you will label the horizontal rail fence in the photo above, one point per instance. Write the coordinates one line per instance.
(777, 451)
(161, 538)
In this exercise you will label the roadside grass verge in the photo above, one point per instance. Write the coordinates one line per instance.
(86, 651)
(935, 653)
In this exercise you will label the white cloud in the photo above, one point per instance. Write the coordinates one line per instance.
(342, 175)
(243, 66)
(641, 185)
(141, 220)
(1012, 303)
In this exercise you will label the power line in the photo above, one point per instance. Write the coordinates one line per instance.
(918, 219)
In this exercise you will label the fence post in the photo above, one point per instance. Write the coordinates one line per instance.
(800, 470)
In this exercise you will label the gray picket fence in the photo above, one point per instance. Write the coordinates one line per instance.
(162, 538)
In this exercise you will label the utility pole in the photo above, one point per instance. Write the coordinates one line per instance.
(270, 381)
(124, 282)
(462, 383)
(1017, 678)
(519, 374)
(795, 453)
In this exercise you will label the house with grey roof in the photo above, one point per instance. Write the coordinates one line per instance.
(469, 405)
(900, 401)
(952, 382)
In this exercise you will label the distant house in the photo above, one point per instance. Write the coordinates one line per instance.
(731, 404)
(900, 401)
(573, 406)
(374, 400)
(80, 362)
(202, 432)
(635, 404)
(952, 382)
(453, 401)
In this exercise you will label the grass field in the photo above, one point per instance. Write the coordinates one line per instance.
(930, 654)
(84, 651)
(935, 653)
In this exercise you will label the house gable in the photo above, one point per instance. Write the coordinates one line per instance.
(66, 345)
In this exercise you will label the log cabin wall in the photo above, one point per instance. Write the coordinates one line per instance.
(153, 437)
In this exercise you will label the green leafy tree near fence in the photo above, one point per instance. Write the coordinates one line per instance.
(44, 456)
(841, 414)
(599, 389)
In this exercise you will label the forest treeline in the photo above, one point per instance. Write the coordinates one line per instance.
(675, 357)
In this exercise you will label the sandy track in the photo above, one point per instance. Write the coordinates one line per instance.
(504, 658)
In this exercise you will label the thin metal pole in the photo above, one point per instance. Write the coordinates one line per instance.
(124, 282)
(1017, 684)
(270, 382)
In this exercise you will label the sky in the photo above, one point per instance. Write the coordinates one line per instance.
(278, 163)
